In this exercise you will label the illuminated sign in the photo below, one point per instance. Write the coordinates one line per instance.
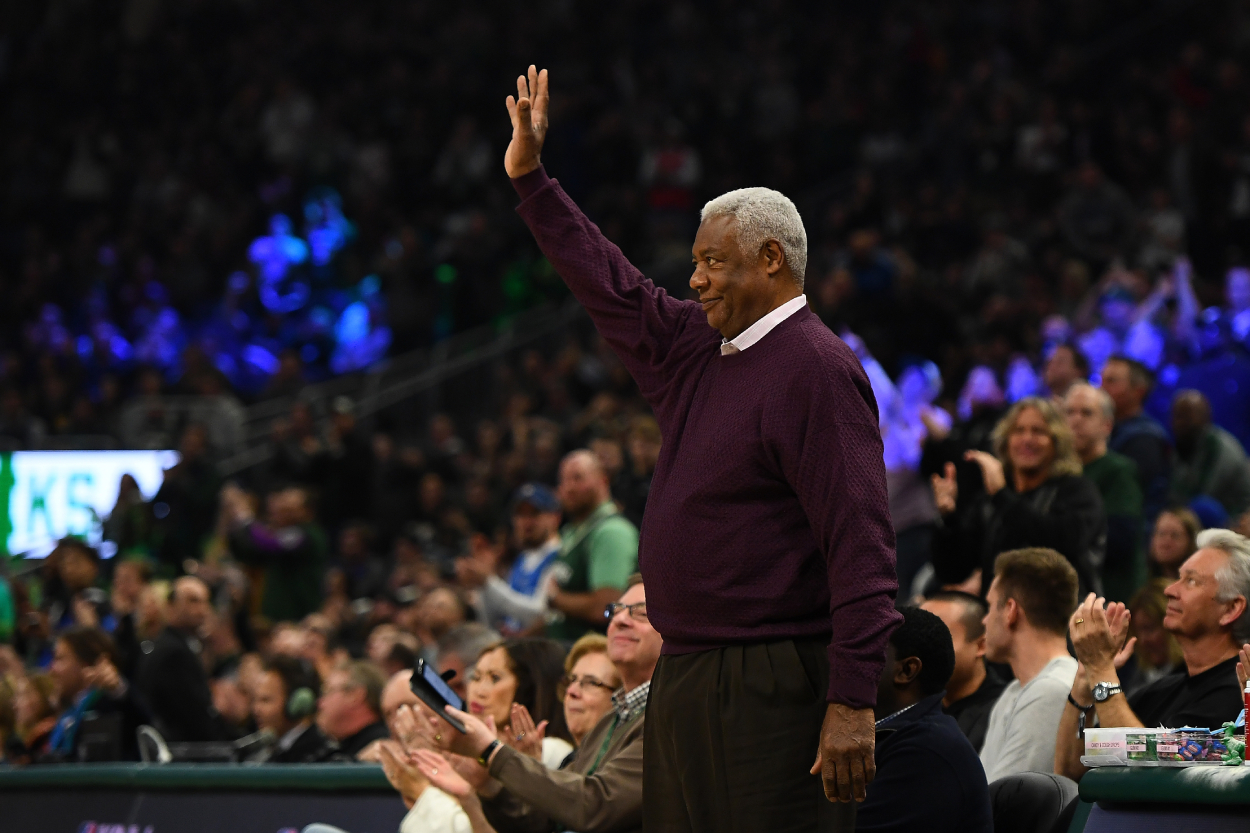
(51, 494)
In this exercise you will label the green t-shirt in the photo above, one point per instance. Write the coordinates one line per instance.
(599, 552)
(1115, 476)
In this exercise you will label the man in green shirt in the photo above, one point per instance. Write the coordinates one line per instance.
(1091, 414)
(598, 550)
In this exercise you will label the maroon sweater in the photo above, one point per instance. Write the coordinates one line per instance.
(767, 517)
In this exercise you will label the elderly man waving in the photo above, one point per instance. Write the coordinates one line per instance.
(766, 545)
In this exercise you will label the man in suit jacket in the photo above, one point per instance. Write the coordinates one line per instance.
(172, 677)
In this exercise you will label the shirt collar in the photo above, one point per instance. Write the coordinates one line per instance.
(765, 325)
(628, 704)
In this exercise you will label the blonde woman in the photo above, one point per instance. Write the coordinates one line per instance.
(1034, 496)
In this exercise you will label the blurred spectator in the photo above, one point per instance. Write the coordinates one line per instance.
(172, 677)
(515, 606)
(1206, 612)
(1065, 366)
(598, 550)
(1097, 217)
(1209, 461)
(185, 506)
(290, 545)
(1137, 435)
(459, 649)
(1034, 497)
(1157, 653)
(284, 704)
(973, 688)
(522, 672)
(130, 524)
(35, 716)
(350, 709)
(1091, 415)
(927, 772)
(1173, 539)
(589, 681)
(90, 689)
(130, 579)
(71, 595)
(1033, 593)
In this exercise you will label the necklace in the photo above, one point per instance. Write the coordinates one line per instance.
(892, 716)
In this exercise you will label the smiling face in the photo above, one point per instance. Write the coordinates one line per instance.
(590, 698)
(734, 287)
(633, 646)
(1030, 446)
(492, 687)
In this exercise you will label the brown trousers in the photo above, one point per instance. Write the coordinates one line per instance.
(730, 736)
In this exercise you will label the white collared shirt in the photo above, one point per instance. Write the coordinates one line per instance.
(765, 325)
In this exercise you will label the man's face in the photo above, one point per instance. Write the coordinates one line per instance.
(1189, 420)
(340, 701)
(580, 486)
(269, 705)
(631, 643)
(191, 608)
(997, 629)
(1118, 385)
(1060, 371)
(1029, 444)
(969, 653)
(733, 287)
(1085, 417)
(1193, 610)
(77, 569)
(531, 527)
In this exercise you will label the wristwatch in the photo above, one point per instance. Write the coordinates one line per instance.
(1104, 691)
(484, 758)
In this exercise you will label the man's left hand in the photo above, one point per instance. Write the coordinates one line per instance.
(846, 760)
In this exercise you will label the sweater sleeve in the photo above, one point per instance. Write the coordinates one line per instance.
(835, 465)
(640, 321)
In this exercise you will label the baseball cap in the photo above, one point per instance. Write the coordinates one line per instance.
(536, 495)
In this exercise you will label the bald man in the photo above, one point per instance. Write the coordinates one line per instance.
(172, 677)
(598, 550)
(1209, 460)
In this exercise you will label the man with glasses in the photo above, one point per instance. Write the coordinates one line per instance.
(350, 709)
(600, 787)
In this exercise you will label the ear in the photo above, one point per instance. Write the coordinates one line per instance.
(1011, 613)
(1235, 608)
(773, 257)
(906, 670)
(981, 647)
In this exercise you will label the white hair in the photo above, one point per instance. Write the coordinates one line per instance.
(1105, 403)
(764, 214)
(1233, 579)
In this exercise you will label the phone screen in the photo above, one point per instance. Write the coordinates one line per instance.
(438, 684)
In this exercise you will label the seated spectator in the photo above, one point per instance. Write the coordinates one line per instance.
(1206, 611)
(350, 709)
(1034, 497)
(284, 705)
(928, 775)
(600, 788)
(524, 672)
(1157, 652)
(232, 701)
(1173, 540)
(290, 546)
(72, 596)
(515, 605)
(1065, 366)
(89, 685)
(459, 649)
(172, 677)
(1033, 592)
(364, 572)
(972, 689)
(1209, 461)
(1137, 435)
(598, 549)
(589, 681)
(34, 717)
(130, 579)
(438, 611)
(1091, 415)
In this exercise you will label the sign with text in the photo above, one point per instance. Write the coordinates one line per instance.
(51, 494)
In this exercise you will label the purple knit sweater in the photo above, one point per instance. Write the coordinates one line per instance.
(767, 517)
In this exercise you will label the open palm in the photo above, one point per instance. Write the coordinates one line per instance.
(528, 112)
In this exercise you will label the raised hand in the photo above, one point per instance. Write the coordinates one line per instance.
(991, 470)
(528, 112)
(441, 774)
(945, 490)
(1243, 666)
(526, 737)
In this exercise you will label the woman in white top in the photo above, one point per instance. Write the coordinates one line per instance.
(522, 678)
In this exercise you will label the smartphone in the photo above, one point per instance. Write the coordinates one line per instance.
(433, 690)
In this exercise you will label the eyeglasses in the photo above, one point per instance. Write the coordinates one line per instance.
(585, 680)
(637, 611)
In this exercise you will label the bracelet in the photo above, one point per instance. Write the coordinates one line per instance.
(484, 758)
(1078, 706)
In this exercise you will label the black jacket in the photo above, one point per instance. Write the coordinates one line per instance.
(311, 747)
(175, 686)
(1065, 514)
(928, 776)
(353, 745)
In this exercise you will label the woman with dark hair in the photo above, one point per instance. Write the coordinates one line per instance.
(84, 668)
(1173, 539)
(516, 683)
